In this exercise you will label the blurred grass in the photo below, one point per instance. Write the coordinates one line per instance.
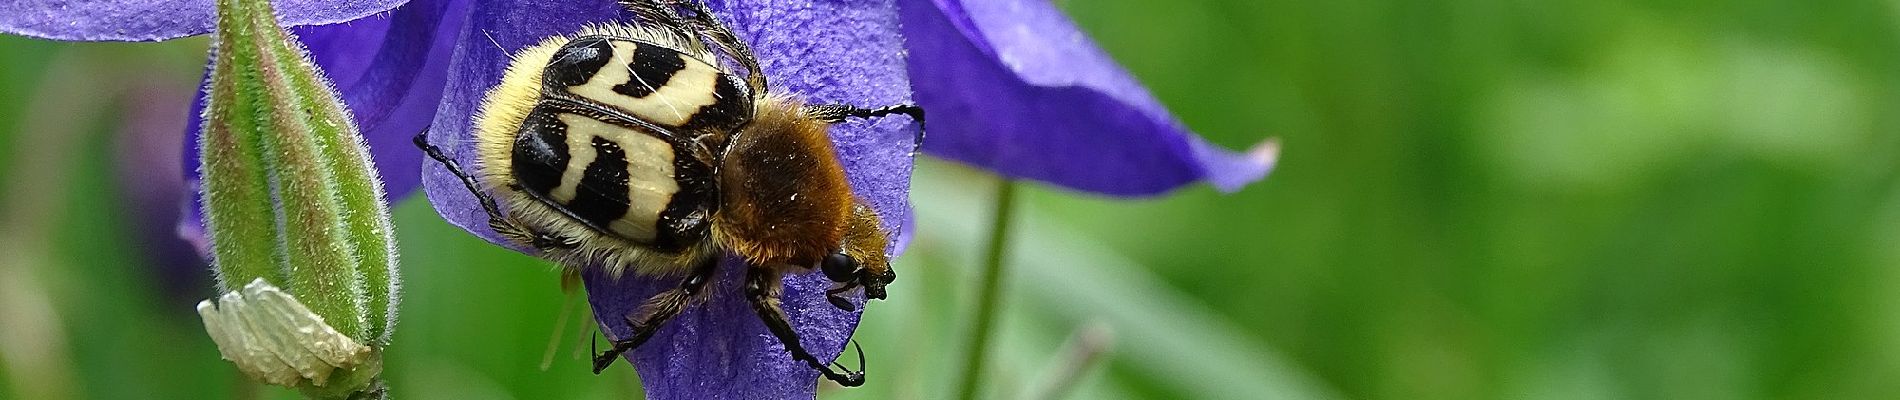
(1477, 199)
(1558, 199)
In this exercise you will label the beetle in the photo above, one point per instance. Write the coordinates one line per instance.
(631, 147)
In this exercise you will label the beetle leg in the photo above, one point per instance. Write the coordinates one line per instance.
(763, 287)
(659, 13)
(703, 28)
(841, 302)
(500, 223)
(705, 24)
(657, 310)
(835, 113)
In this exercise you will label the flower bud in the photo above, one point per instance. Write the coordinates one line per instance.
(291, 201)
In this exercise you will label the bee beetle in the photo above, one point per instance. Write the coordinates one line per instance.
(632, 148)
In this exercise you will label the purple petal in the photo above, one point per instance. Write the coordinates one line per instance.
(148, 163)
(719, 349)
(1014, 87)
(823, 51)
(149, 20)
(390, 70)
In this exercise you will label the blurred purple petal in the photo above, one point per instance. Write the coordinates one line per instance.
(390, 70)
(149, 20)
(822, 51)
(148, 160)
(1024, 93)
(395, 90)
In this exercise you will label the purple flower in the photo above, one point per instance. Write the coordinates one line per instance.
(1011, 86)
(134, 20)
(1015, 88)
(824, 52)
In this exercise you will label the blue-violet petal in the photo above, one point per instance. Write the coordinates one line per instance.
(1020, 91)
(149, 20)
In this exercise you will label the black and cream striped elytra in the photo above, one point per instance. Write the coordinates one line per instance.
(600, 146)
(629, 147)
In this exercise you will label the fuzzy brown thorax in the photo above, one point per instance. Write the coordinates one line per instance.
(783, 195)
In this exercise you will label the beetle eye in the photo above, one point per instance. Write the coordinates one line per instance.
(840, 267)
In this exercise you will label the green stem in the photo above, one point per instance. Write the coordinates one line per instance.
(246, 389)
(987, 292)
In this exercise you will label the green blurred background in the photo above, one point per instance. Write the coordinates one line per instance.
(1550, 199)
